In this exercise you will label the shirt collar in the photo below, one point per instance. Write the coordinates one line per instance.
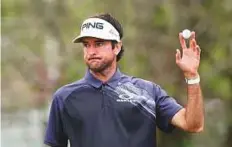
(112, 82)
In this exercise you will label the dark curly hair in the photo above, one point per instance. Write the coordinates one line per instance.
(109, 18)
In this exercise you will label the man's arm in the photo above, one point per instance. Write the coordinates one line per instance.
(55, 135)
(190, 118)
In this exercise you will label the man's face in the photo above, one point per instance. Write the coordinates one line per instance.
(99, 54)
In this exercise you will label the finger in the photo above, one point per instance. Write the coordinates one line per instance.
(198, 51)
(193, 45)
(182, 41)
(178, 56)
(193, 35)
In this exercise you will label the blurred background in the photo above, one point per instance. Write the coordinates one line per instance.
(37, 57)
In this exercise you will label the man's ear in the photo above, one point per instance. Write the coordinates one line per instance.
(118, 47)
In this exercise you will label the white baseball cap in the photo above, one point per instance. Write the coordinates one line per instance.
(97, 28)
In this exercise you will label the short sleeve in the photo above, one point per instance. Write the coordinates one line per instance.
(166, 108)
(55, 135)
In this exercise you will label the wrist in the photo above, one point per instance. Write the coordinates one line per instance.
(195, 80)
(191, 75)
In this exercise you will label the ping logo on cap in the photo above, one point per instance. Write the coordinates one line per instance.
(97, 25)
(98, 28)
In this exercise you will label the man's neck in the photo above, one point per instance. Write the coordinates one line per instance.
(105, 75)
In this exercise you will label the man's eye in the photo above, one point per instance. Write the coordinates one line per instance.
(99, 44)
(85, 45)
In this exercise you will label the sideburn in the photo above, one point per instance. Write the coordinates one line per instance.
(113, 43)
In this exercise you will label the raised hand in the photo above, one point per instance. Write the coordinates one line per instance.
(190, 59)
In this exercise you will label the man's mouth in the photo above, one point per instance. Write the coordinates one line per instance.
(95, 58)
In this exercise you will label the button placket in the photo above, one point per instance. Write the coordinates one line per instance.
(104, 96)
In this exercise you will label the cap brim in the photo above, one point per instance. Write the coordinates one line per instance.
(79, 38)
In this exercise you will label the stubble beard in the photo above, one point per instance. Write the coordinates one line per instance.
(100, 67)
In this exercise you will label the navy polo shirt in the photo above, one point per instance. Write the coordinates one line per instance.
(123, 112)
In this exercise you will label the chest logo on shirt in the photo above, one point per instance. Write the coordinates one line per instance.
(139, 97)
(125, 98)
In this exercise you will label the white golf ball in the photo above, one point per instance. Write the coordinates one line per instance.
(186, 33)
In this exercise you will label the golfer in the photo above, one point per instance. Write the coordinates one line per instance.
(107, 108)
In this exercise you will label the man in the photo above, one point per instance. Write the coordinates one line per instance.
(107, 108)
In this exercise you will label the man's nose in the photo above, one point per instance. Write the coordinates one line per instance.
(91, 50)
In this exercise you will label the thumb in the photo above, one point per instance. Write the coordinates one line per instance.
(178, 56)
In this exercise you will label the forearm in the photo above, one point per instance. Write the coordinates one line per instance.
(194, 115)
(190, 118)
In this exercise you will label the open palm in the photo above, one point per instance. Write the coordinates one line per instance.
(190, 59)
